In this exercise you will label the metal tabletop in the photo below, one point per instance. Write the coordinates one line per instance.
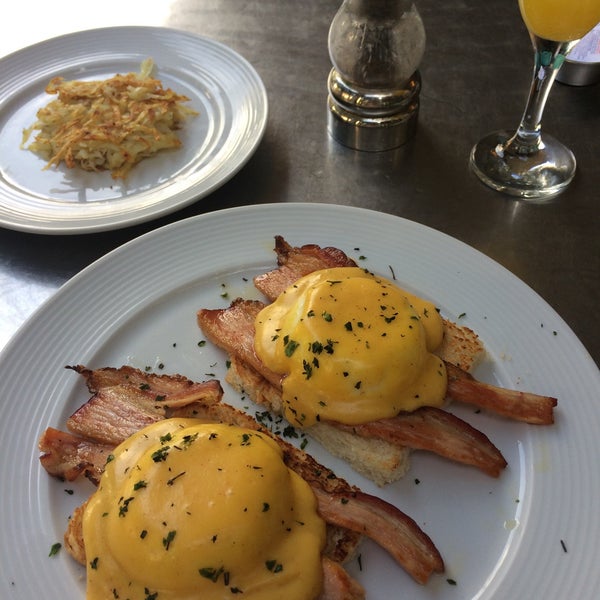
(475, 76)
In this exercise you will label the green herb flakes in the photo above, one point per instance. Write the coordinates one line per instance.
(274, 566)
(167, 541)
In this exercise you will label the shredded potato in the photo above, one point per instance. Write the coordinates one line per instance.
(108, 125)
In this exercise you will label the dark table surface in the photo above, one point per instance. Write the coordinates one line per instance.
(476, 72)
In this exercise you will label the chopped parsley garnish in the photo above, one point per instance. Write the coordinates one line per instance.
(290, 432)
(161, 454)
(328, 347)
(211, 573)
(274, 566)
(125, 505)
(316, 347)
(173, 479)
(307, 372)
(169, 539)
(290, 346)
(190, 438)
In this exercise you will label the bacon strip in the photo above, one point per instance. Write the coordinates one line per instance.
(436, 430)
(379, 520)
(65, 455)
(163, 390)
(521, 406)
(232, 329)
(295, 263)
(337, 584)
(117, 410)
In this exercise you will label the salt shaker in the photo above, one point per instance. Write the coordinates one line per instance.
(375, 47)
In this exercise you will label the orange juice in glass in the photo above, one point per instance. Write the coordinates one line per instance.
(558, 20)
(521, 163)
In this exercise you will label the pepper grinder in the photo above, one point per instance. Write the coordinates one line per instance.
(375, 47)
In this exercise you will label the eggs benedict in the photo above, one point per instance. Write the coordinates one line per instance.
(352, 347)
(187, 509)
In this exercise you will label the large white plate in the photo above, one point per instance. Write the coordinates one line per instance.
(221, 85)
(500, 538)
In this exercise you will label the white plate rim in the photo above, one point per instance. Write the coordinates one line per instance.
(560, 482)
(238, 140)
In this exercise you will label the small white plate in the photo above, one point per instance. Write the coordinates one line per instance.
(500, 538)
(222, 86)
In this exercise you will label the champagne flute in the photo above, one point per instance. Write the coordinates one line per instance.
(521, 163)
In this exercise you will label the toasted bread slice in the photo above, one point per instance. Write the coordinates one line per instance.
(461, 346)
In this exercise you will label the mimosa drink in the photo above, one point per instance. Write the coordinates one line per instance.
(520, 163)
(560, 20)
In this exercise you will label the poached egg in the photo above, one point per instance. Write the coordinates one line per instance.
(351, 347)
(188, 510)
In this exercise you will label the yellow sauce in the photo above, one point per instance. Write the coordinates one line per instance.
(190, 510)
(352, 347)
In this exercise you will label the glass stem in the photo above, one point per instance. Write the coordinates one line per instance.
(548, 58)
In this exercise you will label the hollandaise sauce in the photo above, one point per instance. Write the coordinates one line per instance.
(352, 347)
(189, 510)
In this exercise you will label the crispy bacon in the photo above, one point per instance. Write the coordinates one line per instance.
(232, 329)
(161, 390)
(126, 399)
(441, 432)
(294, 263)
(65, 455)
(337, 584)
(520, 406)
(69, 456)
(427, 429)
(379, 520)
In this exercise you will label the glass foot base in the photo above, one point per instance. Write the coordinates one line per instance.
(540, 174)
